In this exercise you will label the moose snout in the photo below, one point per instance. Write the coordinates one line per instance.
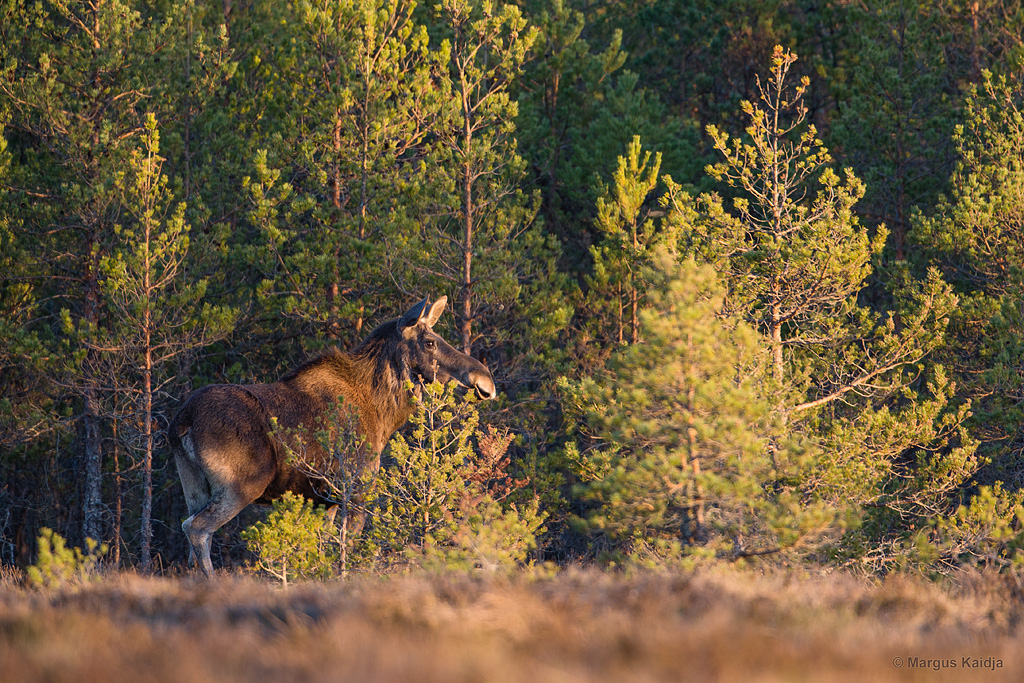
(483, 383)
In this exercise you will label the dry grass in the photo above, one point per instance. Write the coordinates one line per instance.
(10, 577)
(578, 626)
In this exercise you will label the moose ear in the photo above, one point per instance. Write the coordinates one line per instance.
(434, 314)
(413, 315)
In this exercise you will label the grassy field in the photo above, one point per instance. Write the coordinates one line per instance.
(577, 626)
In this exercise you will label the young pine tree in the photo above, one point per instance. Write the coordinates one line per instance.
(346, 98)
(628, 235)
(798, 250)
(678, 454)
(444, 500)
(481, 246)
(796, 258)
(295, 541)
(976, 236)
(341, 469)
(158, 313)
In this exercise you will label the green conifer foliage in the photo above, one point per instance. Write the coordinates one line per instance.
(895, 102)
(976, 232)
(579, 110)
(296, 541)
(976, 236)
(986, 530)
(677, 457)
(321, 163)
(485, 241)
(628, 236)
(799, 250)
(23, 409)
(345, 99)
(563, 89)
(58, 566)
(796, 258)
(443, 500)
(480, 238)
(340, 467)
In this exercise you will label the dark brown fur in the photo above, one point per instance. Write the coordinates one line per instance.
(229, 456)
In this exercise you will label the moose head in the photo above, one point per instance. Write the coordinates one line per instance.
(430, 358)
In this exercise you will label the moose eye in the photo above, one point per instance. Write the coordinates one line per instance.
(430, 344)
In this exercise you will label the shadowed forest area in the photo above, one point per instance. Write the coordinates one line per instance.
(749, 276)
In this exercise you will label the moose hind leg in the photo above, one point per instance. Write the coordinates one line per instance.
(222, 507)
(194, 483)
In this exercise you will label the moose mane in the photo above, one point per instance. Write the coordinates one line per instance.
(377, 359)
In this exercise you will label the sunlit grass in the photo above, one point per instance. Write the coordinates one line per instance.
(575, 626)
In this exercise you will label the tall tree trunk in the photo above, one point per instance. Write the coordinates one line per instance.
(364, 172)
(334, 286)
(145, 551)
(634, 324)
(467, 216)
(691, 446)
(188, 105)
(778, 368)
(336, 171)
(618, 317)
(118, 492)
(467, 266)
(92, 512)
(92, 522)
(118, 510)
(92, 446)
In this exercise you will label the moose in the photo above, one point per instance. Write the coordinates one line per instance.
(227, 443)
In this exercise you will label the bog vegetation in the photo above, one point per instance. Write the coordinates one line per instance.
(578, 626)
(749, 276)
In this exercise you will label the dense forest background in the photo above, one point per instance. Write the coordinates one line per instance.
(748, 274)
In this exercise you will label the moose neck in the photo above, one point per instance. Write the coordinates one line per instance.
(371, 378)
